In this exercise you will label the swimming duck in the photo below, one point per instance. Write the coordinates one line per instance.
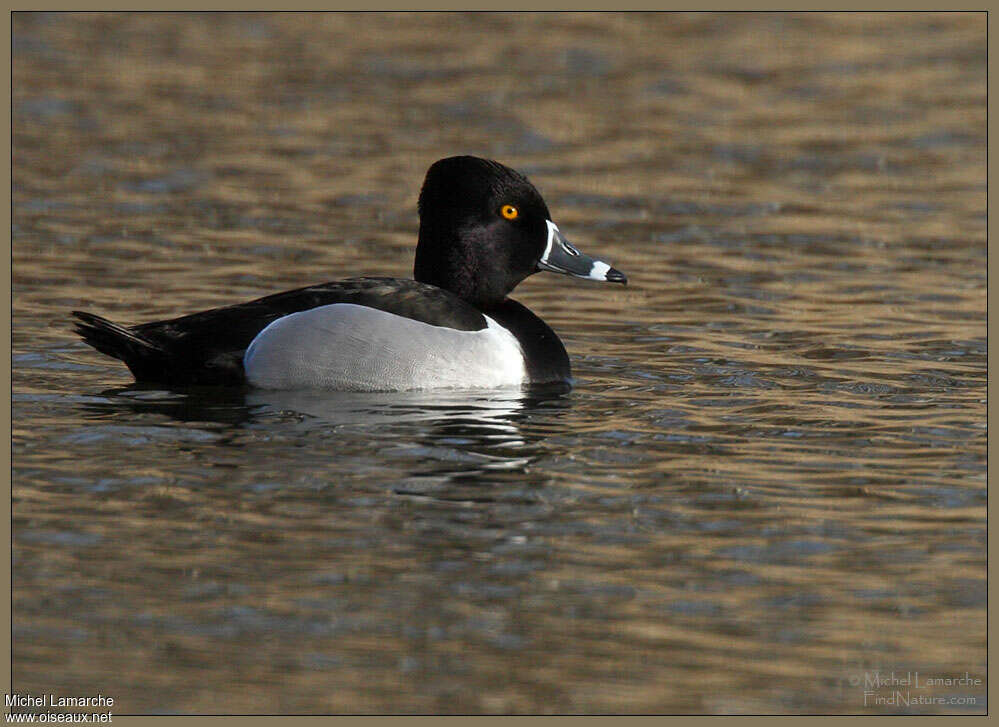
(484, 228)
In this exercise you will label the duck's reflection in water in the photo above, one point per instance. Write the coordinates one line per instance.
(458, 436)
(450, 434)
(490, 414)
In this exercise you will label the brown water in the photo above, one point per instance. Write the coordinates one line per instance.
(769, 481)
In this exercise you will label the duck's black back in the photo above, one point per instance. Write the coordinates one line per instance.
(207, 348)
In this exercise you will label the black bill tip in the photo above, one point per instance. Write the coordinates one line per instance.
(616, 276)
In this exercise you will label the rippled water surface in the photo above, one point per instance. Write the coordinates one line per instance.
(768, 482)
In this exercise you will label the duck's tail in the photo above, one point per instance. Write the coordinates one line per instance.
(139, 354)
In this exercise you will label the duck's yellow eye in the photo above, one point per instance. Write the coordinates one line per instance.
(509, 211)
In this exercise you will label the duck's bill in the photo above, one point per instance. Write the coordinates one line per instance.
(561, 257)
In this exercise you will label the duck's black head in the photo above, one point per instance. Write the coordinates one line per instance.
(484, 228)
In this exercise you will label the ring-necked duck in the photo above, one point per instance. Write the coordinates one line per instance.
(483, 229)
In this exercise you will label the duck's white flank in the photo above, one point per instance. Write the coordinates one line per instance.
(355, 348)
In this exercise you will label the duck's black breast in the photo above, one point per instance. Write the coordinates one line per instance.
(208, 347)
(544, 355)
